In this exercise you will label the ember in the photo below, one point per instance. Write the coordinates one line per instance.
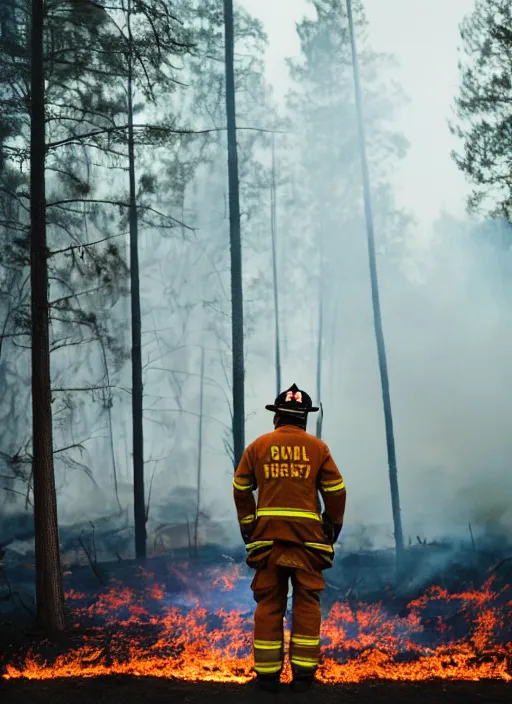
(141, 631)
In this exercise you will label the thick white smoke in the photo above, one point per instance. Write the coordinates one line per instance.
(447, 329)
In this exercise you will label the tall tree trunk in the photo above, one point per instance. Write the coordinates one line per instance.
(319, 362)
(333, 352)
(273, 230)
(199, 455)
(139, 508)
(319, 350)
(237, 308)
(379, 335)
(49, 591)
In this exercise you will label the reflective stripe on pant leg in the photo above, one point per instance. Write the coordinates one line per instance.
(270, 587)
(305, 640)
(268, 656)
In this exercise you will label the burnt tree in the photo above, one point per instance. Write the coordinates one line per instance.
(49, 591)
(139, 506)
(273, 231)
(199, 456)
(377, 317)
(319, 348)
(237, 310)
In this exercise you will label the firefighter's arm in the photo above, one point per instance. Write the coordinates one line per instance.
(334, 495)
(243, 485)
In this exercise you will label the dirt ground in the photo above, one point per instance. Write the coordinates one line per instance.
(128, 690)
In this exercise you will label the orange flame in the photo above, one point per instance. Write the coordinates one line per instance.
(141, 634)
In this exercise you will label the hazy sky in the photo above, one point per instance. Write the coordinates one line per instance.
(424, 37)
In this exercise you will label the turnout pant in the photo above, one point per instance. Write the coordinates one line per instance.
(270, 587)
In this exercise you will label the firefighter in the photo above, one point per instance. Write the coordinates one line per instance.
(287, 536)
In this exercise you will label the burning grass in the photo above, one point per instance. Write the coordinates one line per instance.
(204, 633)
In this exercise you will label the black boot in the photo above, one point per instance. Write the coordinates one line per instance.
(268, 683)
(302, 683)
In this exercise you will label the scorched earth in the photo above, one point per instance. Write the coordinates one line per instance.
(148, 641)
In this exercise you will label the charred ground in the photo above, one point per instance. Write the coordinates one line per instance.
(125, 690)
(215, 579)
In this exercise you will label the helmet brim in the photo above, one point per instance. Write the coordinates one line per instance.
(292, 411)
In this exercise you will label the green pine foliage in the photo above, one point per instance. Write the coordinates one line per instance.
(483, 107)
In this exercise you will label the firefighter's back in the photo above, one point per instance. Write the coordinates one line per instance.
(287, 464)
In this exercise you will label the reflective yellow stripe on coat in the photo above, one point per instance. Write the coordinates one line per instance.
(242, 487)
(287, 513)
(332, 486)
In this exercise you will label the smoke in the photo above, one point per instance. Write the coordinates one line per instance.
(446, 304)
(449, 344)
(447, 319)
(446, 314)
(445, 297)
(446, 301)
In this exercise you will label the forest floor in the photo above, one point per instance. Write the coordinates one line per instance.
(435, 565)
(125, 690)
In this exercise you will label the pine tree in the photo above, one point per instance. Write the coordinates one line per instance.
(324, 200)
(87, 134)
(151, 36)
(205, 205)
(49, 589)
(484, 107)
(179, 87)
(237, 320)
(48, 119)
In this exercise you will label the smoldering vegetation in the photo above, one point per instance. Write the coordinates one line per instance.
(446, 303)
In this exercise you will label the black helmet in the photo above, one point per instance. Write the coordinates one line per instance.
(293, 402)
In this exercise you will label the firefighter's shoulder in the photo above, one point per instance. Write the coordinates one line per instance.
(262, 440)
(321, 444)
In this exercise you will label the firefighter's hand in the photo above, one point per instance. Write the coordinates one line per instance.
(247, 532)
(326, 525)
(336, 531)
(328, 532)
(331, 530)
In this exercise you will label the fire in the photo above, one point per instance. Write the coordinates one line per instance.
(147, 631)
(228, 580)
